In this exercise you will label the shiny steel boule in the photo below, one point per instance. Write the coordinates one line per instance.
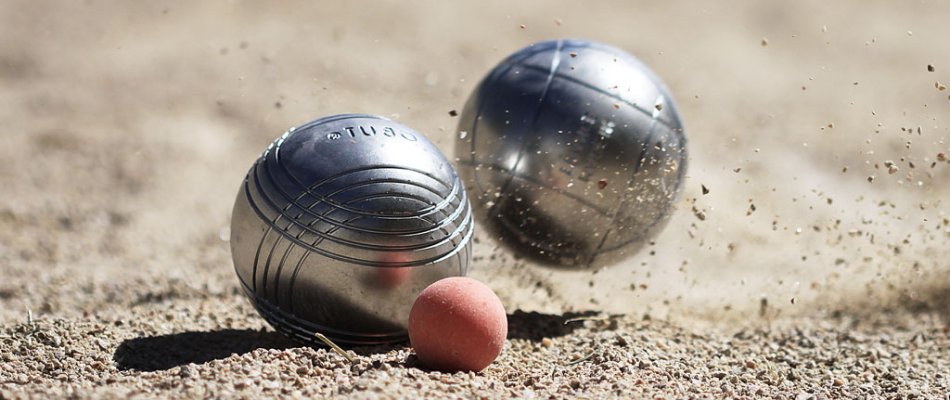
(573, 152)
(341, 223)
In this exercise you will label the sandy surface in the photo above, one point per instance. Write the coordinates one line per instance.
(125, 130)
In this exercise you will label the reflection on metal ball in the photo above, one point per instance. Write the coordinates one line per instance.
(573, 152)
(342, 222)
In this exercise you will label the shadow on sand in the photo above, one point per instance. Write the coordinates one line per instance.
(535, 326)
(932, 297)
(163, 352)
(156, 353)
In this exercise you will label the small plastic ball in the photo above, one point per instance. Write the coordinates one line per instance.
(457, 324)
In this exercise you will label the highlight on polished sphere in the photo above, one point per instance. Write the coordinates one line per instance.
(573, 152)
(342, 222)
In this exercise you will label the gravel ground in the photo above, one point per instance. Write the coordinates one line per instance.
(188, 350)
(814, 267)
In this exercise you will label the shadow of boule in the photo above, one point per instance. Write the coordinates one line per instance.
(535, 326)
(156, 353)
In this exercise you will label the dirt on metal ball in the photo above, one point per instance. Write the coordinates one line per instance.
(342, 222)
(573, 152)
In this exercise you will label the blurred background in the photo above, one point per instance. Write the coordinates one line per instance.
(817, 128)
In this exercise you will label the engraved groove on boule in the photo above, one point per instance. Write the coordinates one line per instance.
(457, 194)
(280, 231)
(469, 229)
(573, 80)
(564, 45)
(333, 255)
(626, 195)
(308, 191)
(511, 62)
(555, 64)
(329, 218)
(438, 225)
(381, 264)
(643, 158)
(467, 226)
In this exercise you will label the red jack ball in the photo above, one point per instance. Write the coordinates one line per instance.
(457, 324)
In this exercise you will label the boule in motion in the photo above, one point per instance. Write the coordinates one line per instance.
(573, 152)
